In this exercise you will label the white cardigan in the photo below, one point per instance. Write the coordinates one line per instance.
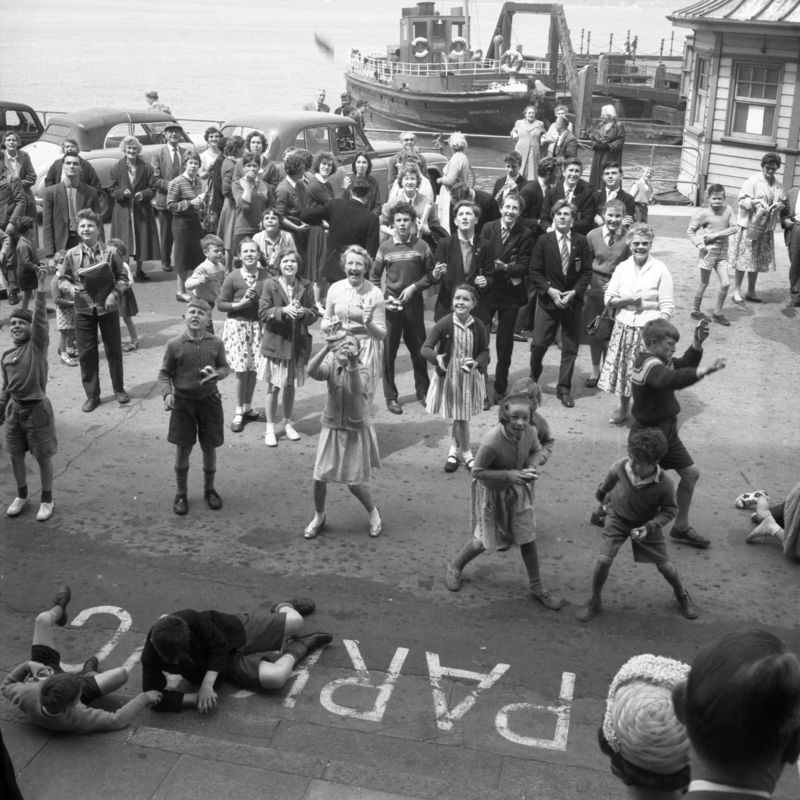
(652, 282)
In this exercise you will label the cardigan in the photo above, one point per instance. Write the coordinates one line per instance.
(650, 503)
(440, 342)
(233, 290)
(286, 338)
(652, 282)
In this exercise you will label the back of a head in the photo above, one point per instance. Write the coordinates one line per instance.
(59, 692)
(170, 637)
(741, 702)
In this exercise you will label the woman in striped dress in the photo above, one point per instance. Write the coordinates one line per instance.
(458, 346)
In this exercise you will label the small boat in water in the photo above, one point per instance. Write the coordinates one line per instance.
(434, 79)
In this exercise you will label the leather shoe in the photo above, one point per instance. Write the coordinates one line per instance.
(122, 397)
(451, 464)
(589, 610)
(213, 500)
(686, 605)
(181, 505)
(691, 537)
(591, 382)
(566, 400)
(91, 665)
(141, 275)
(62, 598)
(394, 407)
(90, 404)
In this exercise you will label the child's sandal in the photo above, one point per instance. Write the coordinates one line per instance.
(130, 347)
(237, 425)
(468, 462)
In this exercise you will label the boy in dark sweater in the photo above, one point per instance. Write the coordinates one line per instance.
(641, 500)
(193, 363)
(656, 376)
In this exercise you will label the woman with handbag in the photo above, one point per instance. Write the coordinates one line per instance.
(639, 290)
(752, 247)
(608, 248)
(286, 309)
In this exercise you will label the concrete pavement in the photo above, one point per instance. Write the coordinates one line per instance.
(424, 693)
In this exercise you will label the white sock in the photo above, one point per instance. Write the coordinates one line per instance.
(467, 454)
(374, 515)
(239, 410)
(454, 451)
(270, 427)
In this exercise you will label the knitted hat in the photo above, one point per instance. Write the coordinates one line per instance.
(640, 722)
(22, 313)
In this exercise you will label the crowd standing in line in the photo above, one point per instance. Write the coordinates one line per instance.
(275, 252)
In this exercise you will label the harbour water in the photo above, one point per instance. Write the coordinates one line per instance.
(213, 59)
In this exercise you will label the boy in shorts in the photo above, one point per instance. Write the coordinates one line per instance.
(641, 500)
(255, 651)
(710, 229)
(60, 701)
(656, 376)
(192, 365)
(24, 407)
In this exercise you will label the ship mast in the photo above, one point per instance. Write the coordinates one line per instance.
(467, 26)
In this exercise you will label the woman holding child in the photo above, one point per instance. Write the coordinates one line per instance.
(640, 289)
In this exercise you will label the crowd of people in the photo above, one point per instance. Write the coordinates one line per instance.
(276, 248)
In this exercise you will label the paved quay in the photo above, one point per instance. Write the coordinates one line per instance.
(424, 694)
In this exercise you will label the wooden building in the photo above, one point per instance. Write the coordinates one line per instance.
(740, 78)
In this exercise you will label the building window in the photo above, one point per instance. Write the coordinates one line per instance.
(700, 100)
(755, 100)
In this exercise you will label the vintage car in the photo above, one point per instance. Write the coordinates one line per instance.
(99, 132)
(20, 119)
(315, 131)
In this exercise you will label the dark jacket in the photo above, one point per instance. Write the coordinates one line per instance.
(653, 384)
(55, 213)
(440, 342)
(505, 288)
(600, 202)
(141, 237)
(286, 338)
(213, 637)
(86, 175)
(582, 199)
(546, 271)
(448, 251)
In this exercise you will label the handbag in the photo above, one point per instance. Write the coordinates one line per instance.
(601, 326)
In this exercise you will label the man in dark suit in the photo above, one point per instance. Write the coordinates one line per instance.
(505, 252)
(86, 174)
(167, 164)
(612, 190)
(790, 222)
(561, 268)
(351, 222)
(578, 192)
(513, 181)
(533, 192)
(61, 204)
(457, 257)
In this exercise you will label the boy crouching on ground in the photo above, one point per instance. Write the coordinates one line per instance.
(193, 363)
(58, 700)
(641, 500)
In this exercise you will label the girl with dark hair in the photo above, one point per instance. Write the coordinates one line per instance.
(752, 248)
(208, 157)
(362, 168)
(252, 196)
(458, 347)
(286, 309)
(319, 193)
(502, 512)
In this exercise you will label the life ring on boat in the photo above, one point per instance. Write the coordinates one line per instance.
(420, 47)
(511, 59)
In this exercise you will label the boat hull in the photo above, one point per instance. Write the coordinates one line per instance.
(469, 112)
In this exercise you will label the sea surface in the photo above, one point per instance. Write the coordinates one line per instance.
(212, 60)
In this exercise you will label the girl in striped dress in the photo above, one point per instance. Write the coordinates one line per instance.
(458, 346)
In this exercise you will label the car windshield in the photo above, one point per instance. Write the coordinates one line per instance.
(55, 132)
(157, 135)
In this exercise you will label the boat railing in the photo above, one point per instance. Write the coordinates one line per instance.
(383, 68)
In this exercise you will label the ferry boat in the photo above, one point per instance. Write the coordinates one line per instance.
(435, 80)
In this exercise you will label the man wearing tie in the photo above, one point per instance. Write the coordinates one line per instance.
(513, 182)
(576, 191)
(61, 204)
(561, 268)
(319, 104)
(167, 164)
(505, 253)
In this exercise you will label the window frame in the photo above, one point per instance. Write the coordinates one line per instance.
(700, 94)
(736, 100)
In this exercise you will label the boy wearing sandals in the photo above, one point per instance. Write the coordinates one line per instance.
(61, 701)
(641, 500)
(656, 376)
(192, 365)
